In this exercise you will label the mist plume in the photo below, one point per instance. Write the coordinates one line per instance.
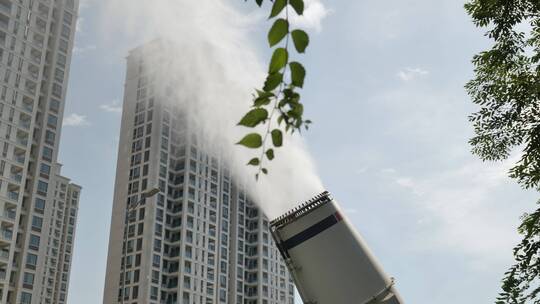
(216, 69)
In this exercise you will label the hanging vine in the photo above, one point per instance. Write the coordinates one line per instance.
(277, 104)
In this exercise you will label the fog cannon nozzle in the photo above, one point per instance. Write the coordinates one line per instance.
(328, 259)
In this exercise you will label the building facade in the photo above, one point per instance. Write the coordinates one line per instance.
(38, 207)
(200, 240)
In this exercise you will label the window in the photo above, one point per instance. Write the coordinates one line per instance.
(31, 261)
(26, 298)
(47, 153)
(146, 156)
(52, 121)
(39, 205)
(42, 187)
(157, 245)
(155, 276)
(54, 105)
(63, 46)
(61, 60)
(66, 31)
(57, 90)
(154, 293)
(37, 223)
(45, 170)
(156, 260)
(34, 242)
(68, 18)
(59, 74)
(135, 292)
(28, 279)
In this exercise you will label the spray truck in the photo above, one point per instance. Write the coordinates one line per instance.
(328, 260)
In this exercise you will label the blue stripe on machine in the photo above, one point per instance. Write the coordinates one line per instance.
(312, 231)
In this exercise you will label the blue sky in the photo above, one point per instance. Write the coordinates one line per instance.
(385, 92)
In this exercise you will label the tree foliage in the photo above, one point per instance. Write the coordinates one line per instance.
(277, 106)
(506, 86)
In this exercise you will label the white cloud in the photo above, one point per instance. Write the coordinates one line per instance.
(464, 211)
(114, 107)
(388, 171)
(80, 25)
(84, 4)
(75, 120)
(411, 73)
(84, 49)
(314, 13)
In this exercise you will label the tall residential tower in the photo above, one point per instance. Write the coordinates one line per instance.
(38, 207)
(200, 240)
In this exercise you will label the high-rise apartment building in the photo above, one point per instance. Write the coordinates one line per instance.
(38, 207)
(200, 240)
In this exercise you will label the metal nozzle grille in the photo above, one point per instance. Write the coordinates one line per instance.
(301, 210)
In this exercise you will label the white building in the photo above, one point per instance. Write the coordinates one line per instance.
(38, 207)
(200, 240)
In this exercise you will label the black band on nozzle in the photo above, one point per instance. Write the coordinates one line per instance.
(301, 210)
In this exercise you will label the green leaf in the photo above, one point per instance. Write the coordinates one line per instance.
(298, 6)
(298, 74)
(272, 82)
(263, 94)
(262, 99)
(278, 6)
(277, 137)
(300, 39)
(264, 170)
(279, 60)
(252, 140)
(297, 110)
(254, 117)
(259, 2)
(261, 102)
(254, 162)
(278, 31)
(270, 154)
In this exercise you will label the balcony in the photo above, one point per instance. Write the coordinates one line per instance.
(5, 6)
(43, 11)
(19, 158)
(30, 87)
(6, 236)
(4, 257)
(22, 138)
(38, 40)
(28, 104)
(9, 215)
(24, 124)
(40, 25)
(14, 196)
(35, 56)
(16, 177)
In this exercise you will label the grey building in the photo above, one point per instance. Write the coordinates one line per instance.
(38, 207)
(201, 239)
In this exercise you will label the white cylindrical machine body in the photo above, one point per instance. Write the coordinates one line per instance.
(328, 259)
